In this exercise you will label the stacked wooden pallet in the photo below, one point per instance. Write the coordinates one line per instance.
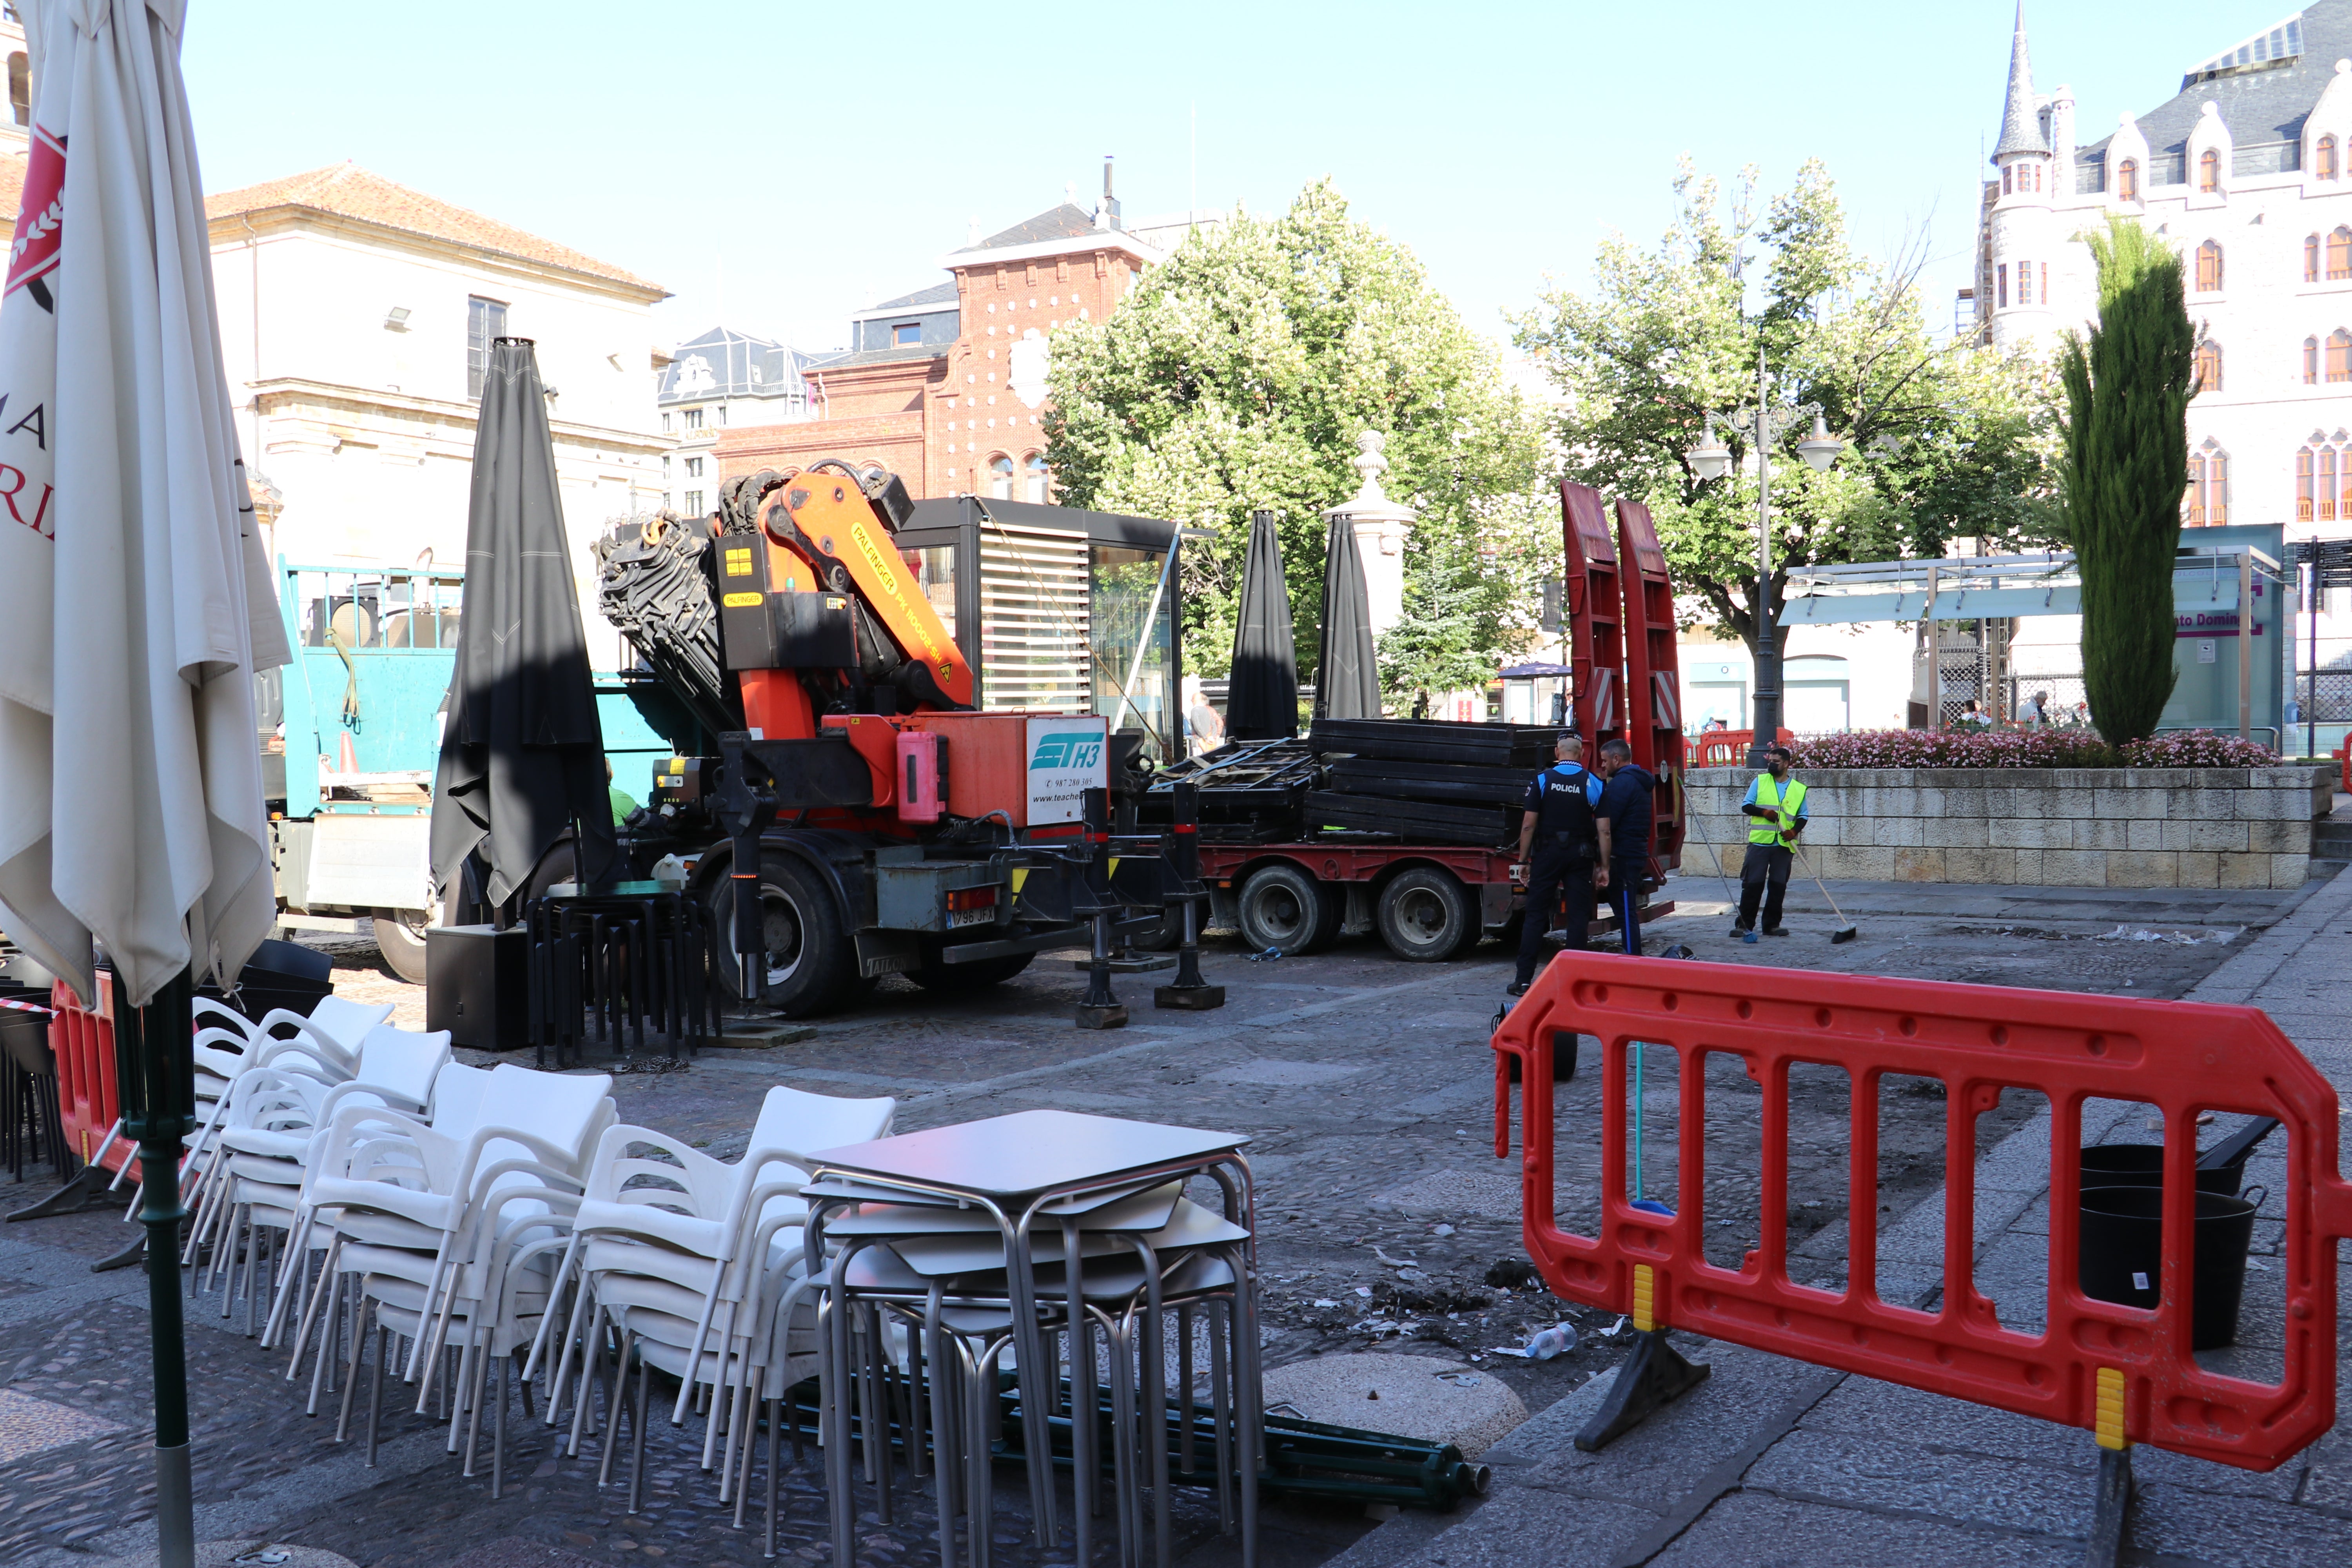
(1426, 779)
(1252, 791)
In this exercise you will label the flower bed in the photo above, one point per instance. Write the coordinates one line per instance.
(2027, 749)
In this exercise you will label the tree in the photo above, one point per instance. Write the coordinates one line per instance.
(1941, 442)
(2127, 391)
(1238, 375)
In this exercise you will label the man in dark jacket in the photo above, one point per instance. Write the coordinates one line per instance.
(1626, 811)
(1561, 843)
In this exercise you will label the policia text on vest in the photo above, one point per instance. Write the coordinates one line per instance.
(1776, 814)
(1561, 841)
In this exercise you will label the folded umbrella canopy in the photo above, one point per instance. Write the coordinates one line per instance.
(1347, 672)
(1262, 700)
(522, 754)
(131, 808)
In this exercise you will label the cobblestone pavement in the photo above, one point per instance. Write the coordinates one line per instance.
(1364, 1084)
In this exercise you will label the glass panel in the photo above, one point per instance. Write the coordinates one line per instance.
(935, 574)
(1033, 619)
(1131, 642)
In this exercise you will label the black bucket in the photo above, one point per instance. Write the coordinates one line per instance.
(2142, 1166)
(2120, 1256)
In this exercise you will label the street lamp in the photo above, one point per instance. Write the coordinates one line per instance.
(1711, 459)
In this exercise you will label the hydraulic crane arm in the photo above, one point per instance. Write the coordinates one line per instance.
(831, 521)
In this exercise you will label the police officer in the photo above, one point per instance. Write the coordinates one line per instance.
(1628, 812)
(1775, 809)
(1565, 838)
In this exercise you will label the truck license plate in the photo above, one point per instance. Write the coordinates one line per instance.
(970, 918)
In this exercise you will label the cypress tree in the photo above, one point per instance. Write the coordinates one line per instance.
(2126, 467)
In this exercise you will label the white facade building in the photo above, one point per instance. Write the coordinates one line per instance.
(2244, 172)
(721, 379)
(356, 318)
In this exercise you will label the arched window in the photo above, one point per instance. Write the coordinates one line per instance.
(2311, 362)
(2323, 163)
(2303, 497)
(2339, 254)
(2007, 178)
(1033, 475)
(2209, 170)
(2209, 487)
(20, 89)
(2127, 180)
(2208, 367)
(1000, 478)
(2325, 487)
(2311, 258)
(2339, 355)
(2209, 266)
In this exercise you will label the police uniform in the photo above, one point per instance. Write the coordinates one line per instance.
(1561, 799)
(1629, 805)
(1764, 874)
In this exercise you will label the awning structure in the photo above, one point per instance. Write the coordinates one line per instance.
(2205, 583)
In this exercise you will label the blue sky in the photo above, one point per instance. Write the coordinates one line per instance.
(786, 161)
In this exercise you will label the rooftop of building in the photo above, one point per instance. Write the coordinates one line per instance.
(347, 191)
(931, 299)
(894, 356)
(2263, 88)
(723, 362)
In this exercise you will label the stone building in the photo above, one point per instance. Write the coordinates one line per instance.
(2244, 172)
(711, 384)
(946, 386)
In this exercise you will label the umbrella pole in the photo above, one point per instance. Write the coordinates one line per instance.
(157, 1081)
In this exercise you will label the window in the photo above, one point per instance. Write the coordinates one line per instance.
(2209, 372)
(2209, 267)
(2001, 294)
(665, 426)
(694, 418)
(1000, 477)
(694, 503)
(2339, 355)
(1032, 473)
(2302, 498)
(665, 467)
(2007, 178)
(20, 89)
(694, 467)
(2209, 487)
(907, 332)
(2324, 161)
(2025, 282)
(2326, 486)
(2311, 258)
(2339, 254)
(721, 412)
(2311, 362)
(485, 323)
(2209, 171)
(2127, 180)
(2045, 283)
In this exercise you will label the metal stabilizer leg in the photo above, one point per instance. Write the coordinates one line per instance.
(2111, 1512)
(1189, 991)
(1652, 1376)
(1099, 1009)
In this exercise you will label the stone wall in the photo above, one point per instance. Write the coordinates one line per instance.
(2087, 827)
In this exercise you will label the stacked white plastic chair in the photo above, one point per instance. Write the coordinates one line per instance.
(445, 1240)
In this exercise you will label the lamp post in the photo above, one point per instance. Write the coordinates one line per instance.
(1711, 459)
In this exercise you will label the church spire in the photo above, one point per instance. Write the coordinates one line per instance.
(2021, 125)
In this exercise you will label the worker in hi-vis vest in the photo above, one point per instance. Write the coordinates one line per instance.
(1775, 809)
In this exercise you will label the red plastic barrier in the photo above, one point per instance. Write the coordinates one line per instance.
(1727, 748)
(2343, 763)
(2125, 1374)
(83, 1039)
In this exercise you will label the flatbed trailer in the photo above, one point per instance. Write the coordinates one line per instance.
(1428, 902)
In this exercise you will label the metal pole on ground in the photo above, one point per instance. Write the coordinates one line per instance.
(155, 1073)
(1190, 992)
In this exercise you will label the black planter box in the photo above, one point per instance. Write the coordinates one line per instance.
(476, 985)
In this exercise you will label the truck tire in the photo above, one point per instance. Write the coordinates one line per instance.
(399, 937)
(933, 975)
(1427, 916)
(811, 959)
(1283, 908)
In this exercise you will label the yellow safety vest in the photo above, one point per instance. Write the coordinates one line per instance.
(1768, 795)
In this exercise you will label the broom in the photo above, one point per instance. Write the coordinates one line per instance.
(1845, 931)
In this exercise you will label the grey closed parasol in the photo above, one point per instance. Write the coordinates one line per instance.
(1347, 672)
(522, 755)
(1261, 701)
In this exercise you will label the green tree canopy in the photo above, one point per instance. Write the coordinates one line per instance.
(1941, 442)
(1238, 375)
(2127, 391)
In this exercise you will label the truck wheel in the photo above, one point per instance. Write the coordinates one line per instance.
(399, 937)
(1283, 908)
(809, 954)
(1427, 916)
(933, 975)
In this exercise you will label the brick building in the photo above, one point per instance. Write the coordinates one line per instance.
(946, 387)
